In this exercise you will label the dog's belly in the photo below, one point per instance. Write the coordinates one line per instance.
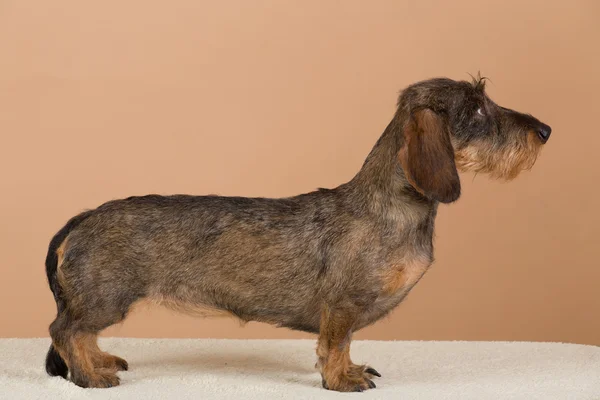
(296, 309)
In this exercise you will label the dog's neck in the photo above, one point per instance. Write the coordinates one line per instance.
(381, 187)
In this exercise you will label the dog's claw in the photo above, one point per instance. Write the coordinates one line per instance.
(358, 388)
(373, 371)
(372, 384)
(122, 365)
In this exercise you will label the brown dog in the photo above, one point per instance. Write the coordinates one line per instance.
(329, 262)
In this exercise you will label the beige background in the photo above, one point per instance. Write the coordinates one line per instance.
(102, 100)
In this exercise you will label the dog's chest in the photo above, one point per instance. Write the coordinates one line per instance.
(398, 278)
(404, 273)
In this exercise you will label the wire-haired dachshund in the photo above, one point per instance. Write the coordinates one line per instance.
(328, 262)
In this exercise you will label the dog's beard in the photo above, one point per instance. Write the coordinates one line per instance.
(503, 162)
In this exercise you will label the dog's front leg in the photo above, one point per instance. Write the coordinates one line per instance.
(333, 349)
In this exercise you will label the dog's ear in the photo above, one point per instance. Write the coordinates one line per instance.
(427, 157)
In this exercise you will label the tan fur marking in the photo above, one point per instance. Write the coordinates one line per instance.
(60, 252)
(404, 274)
(84, 350)
(337, 367)
(340, 373)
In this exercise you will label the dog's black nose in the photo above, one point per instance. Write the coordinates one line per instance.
(544, 132)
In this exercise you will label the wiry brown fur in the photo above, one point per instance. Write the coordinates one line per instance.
(500, 162)
(329, 262)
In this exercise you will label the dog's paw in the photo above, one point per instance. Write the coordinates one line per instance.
(101, 378)
(357, 379)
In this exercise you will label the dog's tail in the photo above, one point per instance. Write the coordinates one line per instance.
(55, 365)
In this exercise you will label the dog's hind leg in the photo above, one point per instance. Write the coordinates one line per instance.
(78, 347)
(74, 336)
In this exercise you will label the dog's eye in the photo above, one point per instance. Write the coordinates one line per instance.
(480, 111)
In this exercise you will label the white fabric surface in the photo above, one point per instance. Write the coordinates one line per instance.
(168, 369)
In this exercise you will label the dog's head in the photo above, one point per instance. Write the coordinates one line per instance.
(453, 125)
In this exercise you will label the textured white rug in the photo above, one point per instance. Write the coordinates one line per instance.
(283, 369)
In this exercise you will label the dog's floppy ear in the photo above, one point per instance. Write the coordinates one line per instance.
(427, 157)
